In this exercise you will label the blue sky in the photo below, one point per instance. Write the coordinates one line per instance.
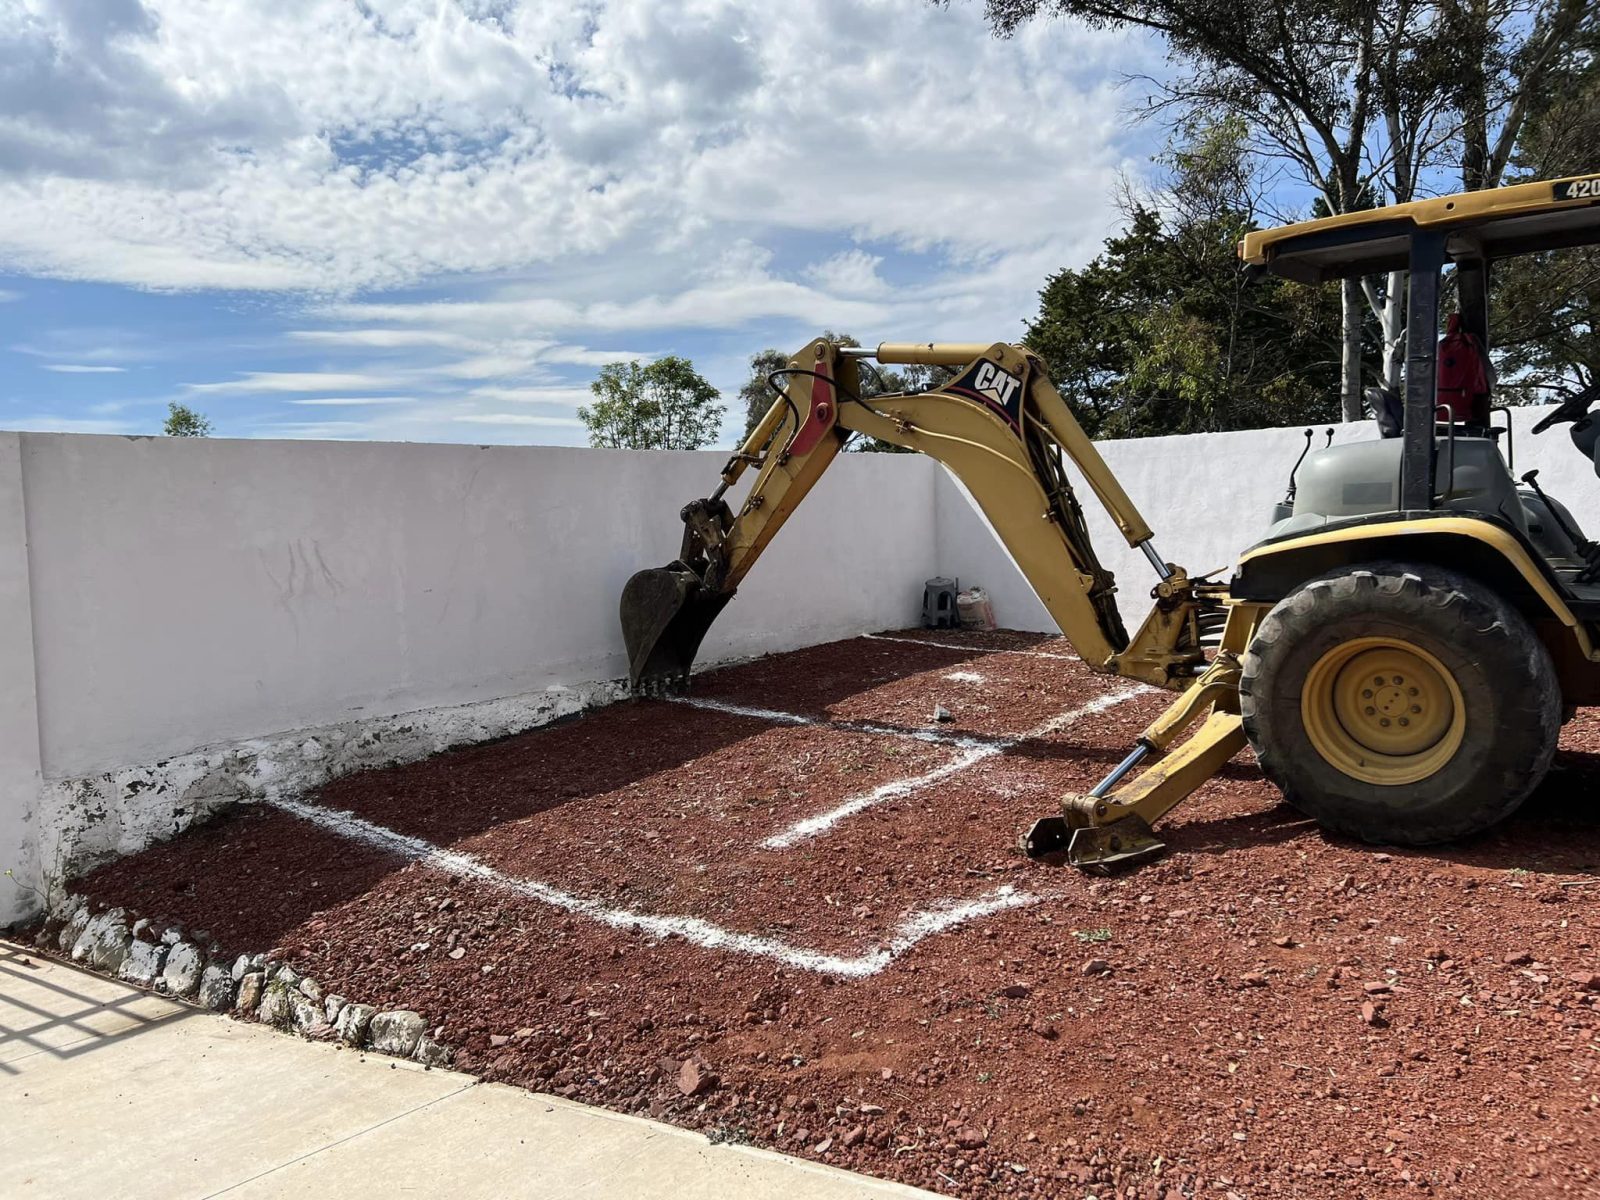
(435, 221)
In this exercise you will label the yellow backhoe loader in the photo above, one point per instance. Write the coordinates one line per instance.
(1399, 650)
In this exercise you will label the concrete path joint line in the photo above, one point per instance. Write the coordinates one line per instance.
(349, 1137)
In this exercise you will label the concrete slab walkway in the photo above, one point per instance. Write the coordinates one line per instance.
(110, 1091)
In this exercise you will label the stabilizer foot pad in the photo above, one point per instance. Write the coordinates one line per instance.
(1107, 849)
(1049, 835)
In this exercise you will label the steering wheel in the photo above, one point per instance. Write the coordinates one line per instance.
(1574, 408)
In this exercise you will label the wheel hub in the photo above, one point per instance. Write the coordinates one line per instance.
(1383, 710)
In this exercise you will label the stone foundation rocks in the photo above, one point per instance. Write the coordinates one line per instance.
(187, 966)
(144, 963)
(396, 1033)
(181, 977)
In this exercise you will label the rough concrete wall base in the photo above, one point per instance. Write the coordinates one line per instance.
(96, 818)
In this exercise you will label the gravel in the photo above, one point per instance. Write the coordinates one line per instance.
(1229, 985)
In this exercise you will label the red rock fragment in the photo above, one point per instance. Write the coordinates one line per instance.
(695, 1078)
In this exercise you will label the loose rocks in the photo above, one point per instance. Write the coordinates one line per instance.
(695, 1078)
(143, 965)
(216, 988)
(103, 944)
(396, 1033)
(354, 1022)
(249, 993)
(181, 976)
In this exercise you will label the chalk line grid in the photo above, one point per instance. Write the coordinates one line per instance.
(910, 641)
(912, 929)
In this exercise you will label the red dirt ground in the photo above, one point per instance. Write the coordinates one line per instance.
(1223, 1051)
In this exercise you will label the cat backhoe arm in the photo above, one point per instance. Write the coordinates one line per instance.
(1004, 431)
(1001, 428)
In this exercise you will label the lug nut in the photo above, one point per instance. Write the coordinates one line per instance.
(1371, 711)
(1367, 695)
(1384, 721)
(1416, 708)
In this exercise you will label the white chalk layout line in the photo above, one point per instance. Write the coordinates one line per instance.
(889, 637)
(788, 718)
(913, 928)
(809, 828)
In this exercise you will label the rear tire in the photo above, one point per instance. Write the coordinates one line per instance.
(1403, 704)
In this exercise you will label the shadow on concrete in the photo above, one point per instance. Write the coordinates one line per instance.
(42, 1012)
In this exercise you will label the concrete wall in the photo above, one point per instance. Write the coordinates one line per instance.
(19, 718)
(191, 599)
(184, 623)
(202, 591)
(1207, 497)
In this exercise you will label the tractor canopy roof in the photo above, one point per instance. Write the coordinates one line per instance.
(1498, 223)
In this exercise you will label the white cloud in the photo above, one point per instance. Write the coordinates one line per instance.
(258, 382)
(473, 202)
(354, 401)
(47, 423)
(9, 295)
(852, 273)
(387, 339)
(534, 395)
(517, 419)
(334, 147)
(83, 369)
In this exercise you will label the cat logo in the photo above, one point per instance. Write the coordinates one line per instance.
(996, 385)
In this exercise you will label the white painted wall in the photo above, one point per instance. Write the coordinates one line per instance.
(199, 591)
(204, 593)
(188, 622)
(19, 719)
(1208, 496)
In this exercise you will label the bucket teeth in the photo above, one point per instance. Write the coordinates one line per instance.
(665, 614)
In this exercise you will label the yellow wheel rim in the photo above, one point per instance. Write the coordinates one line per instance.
(1383, 711)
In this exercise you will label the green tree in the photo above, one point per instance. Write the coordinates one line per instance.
(1353, 95)
(663, 405)
(875, 381)
(183, 421)
(755, 395)
(1546, 307)
(1163, 332)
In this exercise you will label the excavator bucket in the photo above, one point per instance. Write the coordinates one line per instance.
(665, 614)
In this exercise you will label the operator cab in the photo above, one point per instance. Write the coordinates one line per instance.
(1435, 449)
